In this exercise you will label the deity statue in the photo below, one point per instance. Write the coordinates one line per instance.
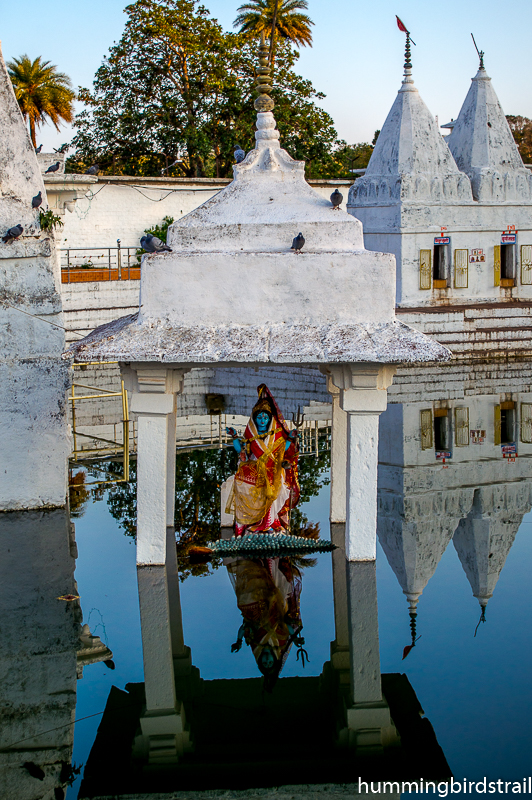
(268, 592)
(265, 487)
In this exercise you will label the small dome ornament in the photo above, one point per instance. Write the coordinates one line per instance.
(263, 102)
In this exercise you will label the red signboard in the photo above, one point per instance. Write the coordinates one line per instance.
(508, 238)
(442, 239)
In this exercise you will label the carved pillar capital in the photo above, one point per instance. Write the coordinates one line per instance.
(153, 378)
(362, 386)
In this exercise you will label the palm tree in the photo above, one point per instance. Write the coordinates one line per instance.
(276, 18)
(42, 92)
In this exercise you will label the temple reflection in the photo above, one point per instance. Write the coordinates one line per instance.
(454, 465)
(178, 730)
(40, 636)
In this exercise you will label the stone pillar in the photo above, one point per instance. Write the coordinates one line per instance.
(170, 467)
(165, 734)
(338, 455)
(363, 396)
(153, 400)
(368, 717)
(340, 646)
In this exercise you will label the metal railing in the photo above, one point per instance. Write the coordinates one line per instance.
(108, 446)
(99, 263)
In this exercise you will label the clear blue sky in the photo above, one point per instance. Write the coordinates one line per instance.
(356, 59)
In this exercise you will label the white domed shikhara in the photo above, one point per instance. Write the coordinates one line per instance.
(484, 148)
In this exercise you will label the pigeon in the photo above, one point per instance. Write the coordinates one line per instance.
(38, 149)
(12, 234)
(298, 243)
(336, 199)
(94, 170)
(239, 154)
(151, 244)
(34, 770)
(36, 201)
(53, 168)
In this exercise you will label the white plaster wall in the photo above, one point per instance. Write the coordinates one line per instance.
(114, 209)
(405, 230)
(33, 379)
(310, 288)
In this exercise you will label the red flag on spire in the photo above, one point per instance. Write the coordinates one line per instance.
(401, 25)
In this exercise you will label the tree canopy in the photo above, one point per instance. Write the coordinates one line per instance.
(177, 88)
(43, 93)
(521, 128)
(276, 18)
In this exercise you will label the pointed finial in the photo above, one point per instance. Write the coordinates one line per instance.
(480, 54)
(263, 102)
(413, 637)
(408, 63)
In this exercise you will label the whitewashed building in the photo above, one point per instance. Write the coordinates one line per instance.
(457, 214)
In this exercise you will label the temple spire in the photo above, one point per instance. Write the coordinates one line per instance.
(263, 102)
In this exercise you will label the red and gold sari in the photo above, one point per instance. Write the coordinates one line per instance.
(265, 487)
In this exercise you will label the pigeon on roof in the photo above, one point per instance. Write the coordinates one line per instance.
(151, 244)
(336, 199)
(298, 242)
(12, 234)
(239, 154)
(53, 167)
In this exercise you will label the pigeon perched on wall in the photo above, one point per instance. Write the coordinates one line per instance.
(36, 201)
(298, 243)
(336, 199)
(53, 167)
(151, 244)
(239, 154)
(94, 170)
(38, 149)
(12, 234)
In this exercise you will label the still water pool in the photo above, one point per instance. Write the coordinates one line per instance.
(454, 538)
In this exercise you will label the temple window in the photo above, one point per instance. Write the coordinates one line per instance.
(442, 429)
(440, 266)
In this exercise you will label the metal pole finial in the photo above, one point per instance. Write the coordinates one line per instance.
(480, 54)
(263, 102)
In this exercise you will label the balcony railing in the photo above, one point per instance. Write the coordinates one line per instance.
(80, 264)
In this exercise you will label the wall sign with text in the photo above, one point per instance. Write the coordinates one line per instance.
(476, 255)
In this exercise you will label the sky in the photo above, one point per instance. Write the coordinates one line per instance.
(356, 58)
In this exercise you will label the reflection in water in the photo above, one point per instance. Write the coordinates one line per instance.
(344, 719)
(180, 730)
(477, 498)
(267, 592)
(39, 634)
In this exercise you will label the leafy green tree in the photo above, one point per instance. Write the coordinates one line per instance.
(283, 18)
(177, 90)
(42, 92)
(521, 128)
